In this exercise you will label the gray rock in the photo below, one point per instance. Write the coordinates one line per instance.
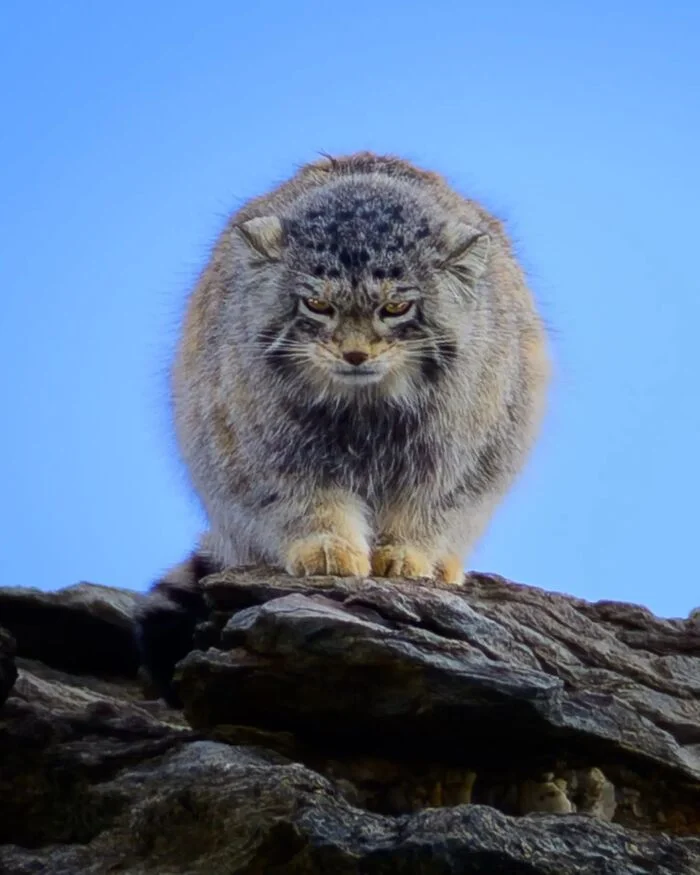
(475, 661)
(339, 726)
(211, 808)
(85, 627)
(8, 670)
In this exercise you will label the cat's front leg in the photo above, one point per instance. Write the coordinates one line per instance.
(404, 546)
(419, 540)
(329, 536)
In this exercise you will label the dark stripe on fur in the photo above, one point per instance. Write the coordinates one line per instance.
(436, 360)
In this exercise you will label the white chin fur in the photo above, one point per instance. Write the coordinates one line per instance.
(361, 378)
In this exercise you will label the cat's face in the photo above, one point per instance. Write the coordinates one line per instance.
(345, 339)
(360, 290)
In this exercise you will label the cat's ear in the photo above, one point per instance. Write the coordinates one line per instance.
(264, 236)
(468, 251)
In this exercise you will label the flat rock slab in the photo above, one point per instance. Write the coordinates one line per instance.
(418, 665)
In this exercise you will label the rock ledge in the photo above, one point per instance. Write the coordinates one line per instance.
(351, 726)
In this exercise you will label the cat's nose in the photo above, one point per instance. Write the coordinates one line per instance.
(355, 357)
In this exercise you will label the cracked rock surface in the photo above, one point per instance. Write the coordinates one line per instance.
(351, 726)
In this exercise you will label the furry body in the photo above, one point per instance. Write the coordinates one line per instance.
(360, 377)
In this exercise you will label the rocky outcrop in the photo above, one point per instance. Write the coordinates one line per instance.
(351, 726)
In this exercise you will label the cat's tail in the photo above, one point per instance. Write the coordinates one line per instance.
(166, 621)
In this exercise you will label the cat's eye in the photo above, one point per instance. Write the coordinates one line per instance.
(395, 308)
(318, 305)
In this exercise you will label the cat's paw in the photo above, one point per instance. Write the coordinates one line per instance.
(326, 555)
(449, 569)
(394, 560)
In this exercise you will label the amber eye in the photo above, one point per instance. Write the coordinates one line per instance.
(318, 305)
(395, 308)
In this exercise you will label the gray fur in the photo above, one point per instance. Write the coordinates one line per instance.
(286, 442)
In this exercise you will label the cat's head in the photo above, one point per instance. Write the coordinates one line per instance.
(361, 288)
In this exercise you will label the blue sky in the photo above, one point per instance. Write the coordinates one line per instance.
(131, 129)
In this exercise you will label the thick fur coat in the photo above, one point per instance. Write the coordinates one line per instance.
(360, 377)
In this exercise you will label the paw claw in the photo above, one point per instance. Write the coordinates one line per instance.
(326, 555)
(399, 561)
